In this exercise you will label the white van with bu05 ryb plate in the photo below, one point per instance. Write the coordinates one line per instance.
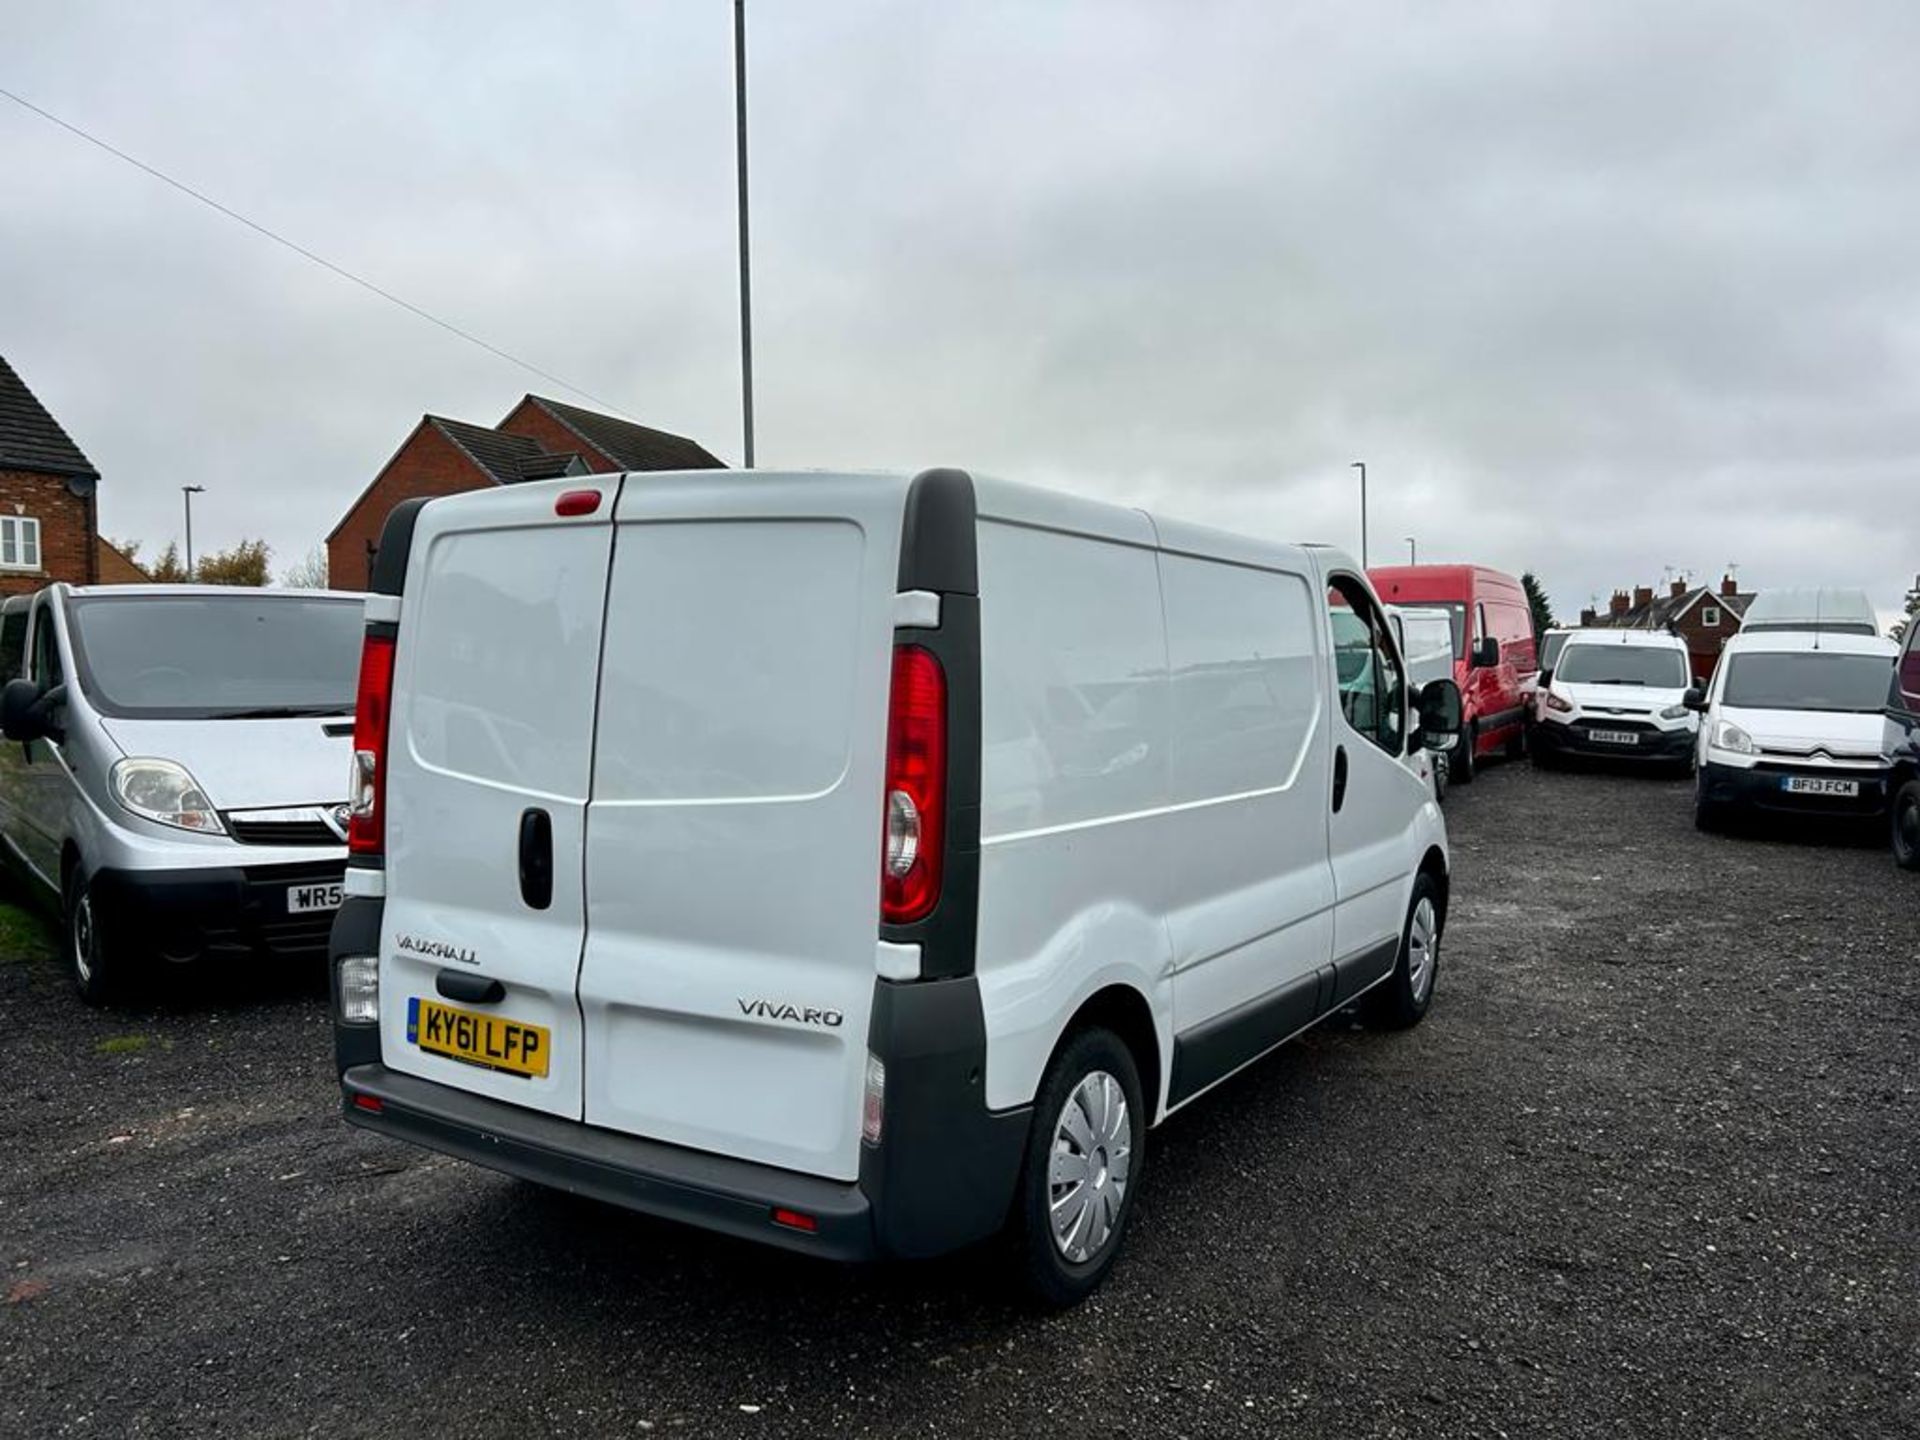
(862, 864)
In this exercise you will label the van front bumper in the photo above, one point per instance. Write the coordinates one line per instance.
(1762, 787)
(1650, 742)
(229, 910)
(715, 1192)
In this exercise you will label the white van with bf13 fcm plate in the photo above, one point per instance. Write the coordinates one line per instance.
(863, 864)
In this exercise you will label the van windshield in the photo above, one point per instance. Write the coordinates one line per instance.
(251, 656)
(1622, 665)
(1810, 680)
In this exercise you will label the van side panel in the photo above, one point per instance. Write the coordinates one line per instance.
(1074, 766)
(734, 834)
(1245, 838)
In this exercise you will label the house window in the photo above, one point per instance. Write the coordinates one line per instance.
(19, 543)
(1710, 617)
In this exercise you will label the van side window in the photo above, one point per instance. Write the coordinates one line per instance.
(1373, 689)
(46, 649)
(13, 643)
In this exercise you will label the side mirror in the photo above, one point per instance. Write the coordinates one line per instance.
(1546, 678)
(22, 717)
(1486, 653)
(1695, 698)
(1440, 711)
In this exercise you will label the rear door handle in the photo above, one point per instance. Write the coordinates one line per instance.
(473, 989)
(536, 858)
(1339, 777)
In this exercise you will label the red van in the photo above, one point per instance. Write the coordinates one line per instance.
(1494, 650)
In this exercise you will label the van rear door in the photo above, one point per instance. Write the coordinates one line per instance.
(733, 857)
(488, 762)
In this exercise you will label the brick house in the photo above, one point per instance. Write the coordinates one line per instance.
(538, 439)
(48, 527)
(1706, 618)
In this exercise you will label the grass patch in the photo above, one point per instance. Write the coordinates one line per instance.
(24, 935)
(122, 1045)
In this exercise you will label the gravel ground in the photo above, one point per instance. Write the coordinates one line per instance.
(1647, 1169)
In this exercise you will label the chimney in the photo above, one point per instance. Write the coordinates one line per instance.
(1589, 617)
(1729, 586)
(1642, 595)
(1619, 604)
(1677, 587)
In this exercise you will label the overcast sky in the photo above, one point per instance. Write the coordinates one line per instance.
(1595, 289)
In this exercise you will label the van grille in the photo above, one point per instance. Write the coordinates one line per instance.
(307, 825)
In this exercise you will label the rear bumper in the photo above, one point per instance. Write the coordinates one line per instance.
(942, 1177)
(1670, 746)
(240, 909)
(1760, 788)
(712, 1191)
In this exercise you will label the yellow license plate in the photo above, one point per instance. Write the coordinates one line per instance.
(489, 1040)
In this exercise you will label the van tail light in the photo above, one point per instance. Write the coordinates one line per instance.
(367, 792)
(915, 823)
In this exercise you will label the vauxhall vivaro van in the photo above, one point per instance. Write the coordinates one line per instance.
(863, 864)
(176, 782)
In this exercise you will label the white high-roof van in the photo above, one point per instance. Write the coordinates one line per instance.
(862, 864)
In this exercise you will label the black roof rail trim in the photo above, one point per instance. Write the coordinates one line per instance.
(396, 545)
(937, 550)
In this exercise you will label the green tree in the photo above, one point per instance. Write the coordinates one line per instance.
(166, 568)
(244, 564)
(1538, 602)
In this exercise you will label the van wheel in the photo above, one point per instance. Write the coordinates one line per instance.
(1906, 826)
(1401, 1000)
(1083, 1166)
(95, 967)
(1462, 763)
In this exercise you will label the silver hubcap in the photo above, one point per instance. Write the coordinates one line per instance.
(83, 936)
(1423, 949)
(1092, 1157)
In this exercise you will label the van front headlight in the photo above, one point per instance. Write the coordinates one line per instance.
(1729, 736)
(163, 792)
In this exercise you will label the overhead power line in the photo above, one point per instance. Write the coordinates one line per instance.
(320, 260)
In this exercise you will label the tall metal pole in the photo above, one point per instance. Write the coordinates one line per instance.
(187, 492)
(1361, 466)
(1413, 552)
(746, 286)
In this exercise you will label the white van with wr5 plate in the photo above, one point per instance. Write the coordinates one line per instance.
(863, 864)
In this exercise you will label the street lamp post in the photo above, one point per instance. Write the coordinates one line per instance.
(187, 492)
(1413, 552)
(740, 157)
(1361, 466)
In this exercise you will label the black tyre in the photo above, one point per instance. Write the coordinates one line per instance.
(1462, 763)
(1440, 769)
(1083, 1167)
(1906, 826)
(1517, 743)
(1403, 998)
(97, 969)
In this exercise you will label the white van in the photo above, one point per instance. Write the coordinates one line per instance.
(1833, 609)
(1425, 637)
(1794, 722)
(1616, 694)
(173, 790)
(862, 864)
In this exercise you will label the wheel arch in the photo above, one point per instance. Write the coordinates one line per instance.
(1434, 863)
(1126, 1011)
